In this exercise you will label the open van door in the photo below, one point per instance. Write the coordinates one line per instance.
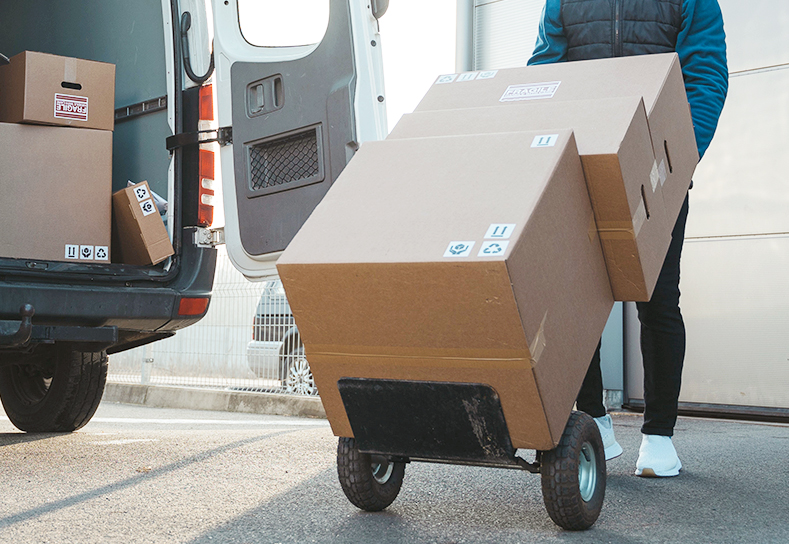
(297, 112)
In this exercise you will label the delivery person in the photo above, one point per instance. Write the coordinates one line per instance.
(590, 29)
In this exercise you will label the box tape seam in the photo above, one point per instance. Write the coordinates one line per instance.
(70, 70)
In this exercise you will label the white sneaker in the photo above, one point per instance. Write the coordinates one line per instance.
(657, 457)
(612, 447)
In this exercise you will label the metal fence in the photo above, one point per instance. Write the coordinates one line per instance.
(246, 342)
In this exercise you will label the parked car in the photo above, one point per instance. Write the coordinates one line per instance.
(275, 351)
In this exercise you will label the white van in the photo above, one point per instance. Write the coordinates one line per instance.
(288, 119)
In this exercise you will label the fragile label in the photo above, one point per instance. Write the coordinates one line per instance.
(459, 249)
(491, 249)
(545, 140)
(141, 193)
(530, 91)
(446, 78)
(500, 230)
(487, 74)
(147, 207)
(86, 253)
(71, 107)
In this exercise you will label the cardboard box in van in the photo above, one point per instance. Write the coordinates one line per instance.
(656, 78)
(462, 259)
(621, 172)
(53, 90)
(139, 234)
(56, 185)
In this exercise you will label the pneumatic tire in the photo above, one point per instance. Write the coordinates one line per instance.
(60, 394)
(370, 482)
(573, 475)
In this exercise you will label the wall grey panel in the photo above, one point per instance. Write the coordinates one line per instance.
(505, 32)
(139, 153)
(756, 33)
(736, 308)
(740, 187)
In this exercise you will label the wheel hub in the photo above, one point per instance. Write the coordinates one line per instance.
(587, 472)
(300, 380)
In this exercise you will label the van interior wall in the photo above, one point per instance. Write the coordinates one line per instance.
(127, 34)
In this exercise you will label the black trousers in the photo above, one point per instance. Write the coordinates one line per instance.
(662, 347)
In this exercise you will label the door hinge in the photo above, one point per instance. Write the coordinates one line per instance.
(209, 237)
(221, 135)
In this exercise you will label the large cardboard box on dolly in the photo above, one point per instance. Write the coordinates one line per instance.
(49, 89)
(621, 172)
(462, 259)
(656, 78)
(56, 186)
(139, 234)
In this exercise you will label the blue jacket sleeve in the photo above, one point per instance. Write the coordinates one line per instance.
(551, 44)
(701, 46)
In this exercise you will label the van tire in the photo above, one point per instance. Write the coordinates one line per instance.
(60, 394)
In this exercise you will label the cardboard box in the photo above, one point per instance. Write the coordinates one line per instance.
(656, 78)
(138, 232)
(52, 90)
(621, 172)
(464, 259)
(56, 185)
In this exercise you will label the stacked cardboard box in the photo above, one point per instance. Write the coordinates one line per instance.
(57, 181)
(484, 240)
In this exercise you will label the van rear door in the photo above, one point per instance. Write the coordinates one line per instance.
(298, 113)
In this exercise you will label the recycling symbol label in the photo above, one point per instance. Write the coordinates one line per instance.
(102, 253)
(459, 249)
(147, 207)
(492, 249)
(141, 193)
(446, 78)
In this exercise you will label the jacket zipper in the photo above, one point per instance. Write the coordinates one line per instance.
(617, 45)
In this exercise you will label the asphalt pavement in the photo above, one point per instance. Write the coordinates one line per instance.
(140, 474)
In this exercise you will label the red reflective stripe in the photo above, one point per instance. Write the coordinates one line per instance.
(207, 103)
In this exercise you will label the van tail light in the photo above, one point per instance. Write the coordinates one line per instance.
(205, 212)
(205, 209)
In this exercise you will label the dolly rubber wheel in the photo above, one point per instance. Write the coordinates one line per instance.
(370, 482)
(573, 475)
(58, 393)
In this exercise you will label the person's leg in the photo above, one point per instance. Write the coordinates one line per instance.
(663, 351)
(663, 340)
(590, 398)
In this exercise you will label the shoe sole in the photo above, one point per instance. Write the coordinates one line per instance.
(650, 473)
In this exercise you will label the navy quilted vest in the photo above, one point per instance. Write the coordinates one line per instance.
(617, 28)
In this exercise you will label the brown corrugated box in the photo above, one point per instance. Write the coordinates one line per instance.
(138, 232)
(656, 78)
(53, 90)
(56, 184)
(619, 163)
(471, 259)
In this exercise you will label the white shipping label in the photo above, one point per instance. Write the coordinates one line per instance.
(491, 249)
(147, 207)
(72, 251)
(86, 253)
(141, 193)
(468, 76)
(71, 107)
(545, 140)
(446, 78)
(459, 249)
(530, 91)
(500, 230)
(487, 74)
(654, 177)
(102, 253)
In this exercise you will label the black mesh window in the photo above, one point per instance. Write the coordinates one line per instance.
(283, 161)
